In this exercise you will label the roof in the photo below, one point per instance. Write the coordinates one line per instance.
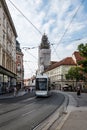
(78, 56)
(53, 62)
(65, 61)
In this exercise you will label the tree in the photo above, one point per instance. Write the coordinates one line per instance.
(74, 73)
(83, 52)
(79, 73)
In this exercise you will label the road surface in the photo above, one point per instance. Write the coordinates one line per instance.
(26, 113)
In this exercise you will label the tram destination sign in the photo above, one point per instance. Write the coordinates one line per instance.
(41, 79)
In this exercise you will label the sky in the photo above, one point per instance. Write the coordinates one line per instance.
(63, 21)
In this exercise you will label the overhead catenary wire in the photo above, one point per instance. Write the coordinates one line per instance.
(31, 66)
(40, 32)
(32, 70)
(70, 23)
(55, 51)
(34, 47)
(31, 54)
(29, 47)
(25, 17)
(30, 62)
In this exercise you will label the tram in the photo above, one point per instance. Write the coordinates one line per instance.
(42, 85)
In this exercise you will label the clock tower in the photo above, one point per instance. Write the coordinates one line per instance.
(44, 52)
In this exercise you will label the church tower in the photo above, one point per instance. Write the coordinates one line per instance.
(44, 53)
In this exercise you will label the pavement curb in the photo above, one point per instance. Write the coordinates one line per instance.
(55, 116)
(62, 122)
(70, 107)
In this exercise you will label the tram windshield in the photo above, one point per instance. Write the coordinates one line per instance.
(41, 84)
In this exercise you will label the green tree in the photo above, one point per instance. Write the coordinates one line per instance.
(83, 52)
(79, 72)
(74, 73)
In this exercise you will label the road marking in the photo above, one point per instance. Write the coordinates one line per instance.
(28, 112)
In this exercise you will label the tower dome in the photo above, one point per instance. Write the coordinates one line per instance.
(45, 44)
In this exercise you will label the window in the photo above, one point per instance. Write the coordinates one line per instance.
(3, 36)
(19, 58)
(3, 19)
(18, 67)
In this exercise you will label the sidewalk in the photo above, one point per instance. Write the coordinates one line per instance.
(11, 95)
(76, 119)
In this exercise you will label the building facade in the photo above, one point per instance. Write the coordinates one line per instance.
(19, 66)
(7, 49)
(57, 72)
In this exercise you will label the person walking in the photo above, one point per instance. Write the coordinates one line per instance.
(78, 91)
(15, 91)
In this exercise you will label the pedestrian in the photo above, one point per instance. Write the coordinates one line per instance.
(78, 91)
(15, 91)
(7, 89)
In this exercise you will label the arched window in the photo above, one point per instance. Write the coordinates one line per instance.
(18, 67)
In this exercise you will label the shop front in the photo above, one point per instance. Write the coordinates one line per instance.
(7, 80)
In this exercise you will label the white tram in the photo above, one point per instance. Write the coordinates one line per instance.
(42, 85)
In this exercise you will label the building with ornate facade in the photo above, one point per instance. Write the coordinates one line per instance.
(7, 49)
(19, 66)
